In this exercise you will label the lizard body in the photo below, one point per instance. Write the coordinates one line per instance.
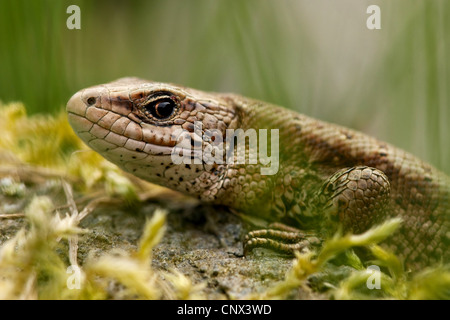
(326, 172)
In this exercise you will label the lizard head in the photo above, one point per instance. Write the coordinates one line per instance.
(138, 124)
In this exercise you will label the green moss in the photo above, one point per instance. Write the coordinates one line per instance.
(30, 267)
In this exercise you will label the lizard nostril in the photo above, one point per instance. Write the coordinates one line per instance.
(91, 101)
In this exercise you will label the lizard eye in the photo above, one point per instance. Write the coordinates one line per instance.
(161, 109)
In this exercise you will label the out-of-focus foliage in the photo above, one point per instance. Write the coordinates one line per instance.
(47, 142)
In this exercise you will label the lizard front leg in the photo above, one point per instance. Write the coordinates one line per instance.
(355, 197)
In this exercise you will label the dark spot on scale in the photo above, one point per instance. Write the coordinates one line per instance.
(171, 178)
(158, 174)
(187, 166)
(162, 163)
(383, 154)
(180, 179)
(197, 170)
(138, 150)
(190, 127)
(121, 155)
(428, 179)
(107, 149)
(133, 157)
(134, 170)
(167, 167)
(341, 203)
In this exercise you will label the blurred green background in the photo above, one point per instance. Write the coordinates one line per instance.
(317, 57)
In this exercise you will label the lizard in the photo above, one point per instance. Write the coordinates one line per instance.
(328, 175)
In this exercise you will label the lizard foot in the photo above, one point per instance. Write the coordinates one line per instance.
(280, 238)
(354, 197)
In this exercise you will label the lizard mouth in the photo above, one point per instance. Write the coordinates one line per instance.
(107, 142)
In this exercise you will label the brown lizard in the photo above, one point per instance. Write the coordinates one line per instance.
(326, 174)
